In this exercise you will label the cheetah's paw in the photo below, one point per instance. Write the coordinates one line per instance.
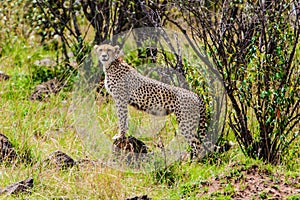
(118, 136)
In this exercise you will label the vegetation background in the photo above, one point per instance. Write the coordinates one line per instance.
(254, 45)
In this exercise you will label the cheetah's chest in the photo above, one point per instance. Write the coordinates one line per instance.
(114, 84)
(106, 84)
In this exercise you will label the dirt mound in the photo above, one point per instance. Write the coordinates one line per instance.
(59, 160)
(144, 197)
(3, 76)
(19, 187)
(7, 153)
(130, 149)
(130, 144)
(45, 89)
(253, 182)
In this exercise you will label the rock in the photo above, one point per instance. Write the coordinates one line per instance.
(3, 76)
(130, 144)
(7, 153)
(144, 197)
(130, 149)
(19, 187)
(59, 160)
(45, 89)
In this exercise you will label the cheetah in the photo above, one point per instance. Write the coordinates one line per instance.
(128, 87)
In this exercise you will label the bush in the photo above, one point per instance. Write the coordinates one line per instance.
(254, 48)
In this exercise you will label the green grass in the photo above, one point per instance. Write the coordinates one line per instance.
(38, 128)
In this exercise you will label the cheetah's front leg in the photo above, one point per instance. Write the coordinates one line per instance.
(122, 113)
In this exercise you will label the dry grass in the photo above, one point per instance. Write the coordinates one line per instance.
(38, 128)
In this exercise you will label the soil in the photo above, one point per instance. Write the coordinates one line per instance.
(253, 183)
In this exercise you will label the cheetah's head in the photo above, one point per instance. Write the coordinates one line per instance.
(107, 53)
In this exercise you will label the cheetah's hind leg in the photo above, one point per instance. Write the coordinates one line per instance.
(188, 128)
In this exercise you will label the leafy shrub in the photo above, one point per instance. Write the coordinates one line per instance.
(254, 48)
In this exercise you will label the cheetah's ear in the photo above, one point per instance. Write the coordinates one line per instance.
(117, 49)
(96, 47)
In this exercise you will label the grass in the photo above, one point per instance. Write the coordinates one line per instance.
(38, 128)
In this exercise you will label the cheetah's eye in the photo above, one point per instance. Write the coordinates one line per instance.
(109, 51)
